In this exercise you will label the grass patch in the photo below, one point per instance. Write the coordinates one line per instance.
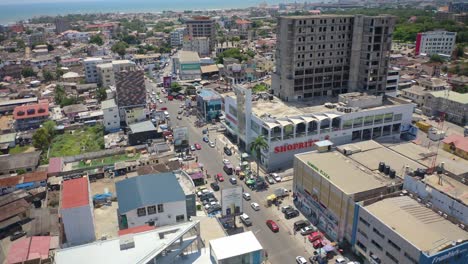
(18, 149)
(259, 88)
(106, 161)
(88, 139)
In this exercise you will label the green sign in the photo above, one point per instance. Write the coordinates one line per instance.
(315, 168)
(190, 66)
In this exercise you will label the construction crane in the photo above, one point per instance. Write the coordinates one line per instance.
(440, 127)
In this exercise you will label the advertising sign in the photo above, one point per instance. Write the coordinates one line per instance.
(181, 137)
(167, 81)
(231, 201)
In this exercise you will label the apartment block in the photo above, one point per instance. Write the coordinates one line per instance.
(435, 42)
(177, 37)
(106, 71)
(202, 26)
(91, 74)
(330, 54)
(130, 91)
(201, 45)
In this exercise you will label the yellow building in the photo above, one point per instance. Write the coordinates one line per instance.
(457, 145)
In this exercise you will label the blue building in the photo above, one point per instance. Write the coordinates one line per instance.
(209, 104)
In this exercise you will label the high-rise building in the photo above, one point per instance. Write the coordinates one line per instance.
(177, 37)
(61, 25)
(435, 42)
(202, 26)
(331, 54)
(106, 71)
(130, 90)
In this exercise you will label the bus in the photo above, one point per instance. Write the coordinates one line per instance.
(228, 169)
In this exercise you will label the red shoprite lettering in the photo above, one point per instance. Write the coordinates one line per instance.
(295, 146)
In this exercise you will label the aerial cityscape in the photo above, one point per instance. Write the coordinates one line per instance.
(219, 132)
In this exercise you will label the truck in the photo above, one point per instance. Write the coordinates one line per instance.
(435, 134)
(423, 126)
(281, 192)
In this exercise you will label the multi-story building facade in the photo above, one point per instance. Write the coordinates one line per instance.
(452, 105)
(177, 37)
(106, 71)
(330, 54)
(90, 64)
(293, 127)
(61, 25)
(31, 116)
(187, 65)
(201, 26)
(393, 78)
(130, 91)
(435, 42)
(111, 117)
(201, 45)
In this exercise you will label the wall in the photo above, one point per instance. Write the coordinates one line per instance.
(78, 224)
(173, 209)
(111, 119)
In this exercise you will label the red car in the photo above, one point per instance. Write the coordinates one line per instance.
(220, 177)
(315, 236)
(163, 108)
(317, 243)
(197, 146)
(272, 225)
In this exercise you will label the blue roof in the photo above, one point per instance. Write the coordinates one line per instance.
(148, 190)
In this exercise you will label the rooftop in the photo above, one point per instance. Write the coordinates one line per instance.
(30, 248)
(235, 245)
(209, 68)
(108, 104)
(449, 186)
(31, 111)
(460, 142)
(18, 101)
(410, 219)
(75, 108)
(148, 190)
(18, 161)
(142, 127)
(146, 245)
(75, 193)
(136, 230)
(416, 89)
(452, 96)
(188, 56)
(209, 94)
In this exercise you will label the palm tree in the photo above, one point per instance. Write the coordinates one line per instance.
(255, 148)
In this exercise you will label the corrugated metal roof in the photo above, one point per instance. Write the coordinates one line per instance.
(148, 189)
(75, 193)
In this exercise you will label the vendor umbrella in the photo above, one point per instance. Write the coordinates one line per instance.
(328, 248)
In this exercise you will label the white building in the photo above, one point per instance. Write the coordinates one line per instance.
(293, 127)
(91, 74)
(74, 35)
(435, 42)
(76, 210)
(393, 78)
(201, 45)
(106, 71)
(111, 115)
(177, 37)
(239, 248)
(187, 65)
(154, 199)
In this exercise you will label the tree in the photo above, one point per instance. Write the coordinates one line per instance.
(460, 51)
(101, 94)
(41, 139)
(255, 147)
(48, 76)
(436, 58)
(28, 72)
(119, 48)
(50, 47)
(175, 87)
(96, 39)
(49, 127)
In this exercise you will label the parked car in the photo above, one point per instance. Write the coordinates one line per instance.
(205, 139)
(214, 186)
(301, 260)
(286, 208)
(272, 225)
(179, 117)
(205, 131)
(192, 148)
(298, 225)
(307, 230)
(214, 208)
(225, 161)
(180, 111)
(276, 177)
(340, 260)
(291, 214)
(17, 235)
(220, 177)
(227, 151)
(246, 219)
(255, 206)
(317, 243)
(269, 180)
(212, 144)
(233, 180)
(246, 196)
(197, 146)
(314, 236)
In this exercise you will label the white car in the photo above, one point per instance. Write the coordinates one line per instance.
(255, 206)
(301, 260)
(246, 196)
(340, 260)
(276, 177)
(160, 101)
(153, 93)
(212, 144)
(225, 161)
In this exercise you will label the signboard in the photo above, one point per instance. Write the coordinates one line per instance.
(295, 146)
(181, 137)
(167, 81)
(231, 201)
(190, 66)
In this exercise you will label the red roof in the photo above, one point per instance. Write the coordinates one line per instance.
(55, 165)
(75, 193)
(135, 230)
(100, 25)
(460, 142)
(30, 111)
(29, 248)
(243, 21)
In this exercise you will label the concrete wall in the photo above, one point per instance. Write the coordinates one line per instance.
(111, 119)
(168, 217)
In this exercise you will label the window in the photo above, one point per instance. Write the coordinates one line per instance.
(160, 208)
(151, 210)
(378, 232)
(397, 117)
(180, 218)
(358, 122)
(394, 245)
(391, 257)
(362, 233)
(347, 124)
(359, 244)
(364, 222)
(368, 120)
(141, 211)
(412, 260)
(388, 117)
(377, 245)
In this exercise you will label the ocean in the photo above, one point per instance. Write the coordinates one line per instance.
(15, 11)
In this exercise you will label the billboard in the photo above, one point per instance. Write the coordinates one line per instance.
(181, 137)
(231, 201)
(167, 81)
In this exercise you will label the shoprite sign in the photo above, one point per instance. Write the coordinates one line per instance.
(295, 146)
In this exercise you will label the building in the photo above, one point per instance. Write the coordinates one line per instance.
(32, 249)
(75, 36)
(30, 116)
(106, 71)
(239, 248)
(331, 54)
(90, 64)
(72, 111)
(453, 105)
(153, 199)
(209, 104)
(402, 230)
(433, 84)
(25, 181)
(200, 45)
(417, 94)
(76, 210)
(393, 78)
(187, 65)
(435, 42)
(177, 37)
(61, 25)
(16, 163)
(201, 26)
(328, 184)
(134, 115)
(110, 115)
(458, 7)
(35, 39)
(457, 145)
(293, 127)
(162, 245)
(243, 27)
(14, 70)
(130, 91)
(142, 133)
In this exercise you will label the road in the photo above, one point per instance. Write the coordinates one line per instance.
(282, 247)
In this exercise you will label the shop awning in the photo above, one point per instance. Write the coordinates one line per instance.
(196, 176)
